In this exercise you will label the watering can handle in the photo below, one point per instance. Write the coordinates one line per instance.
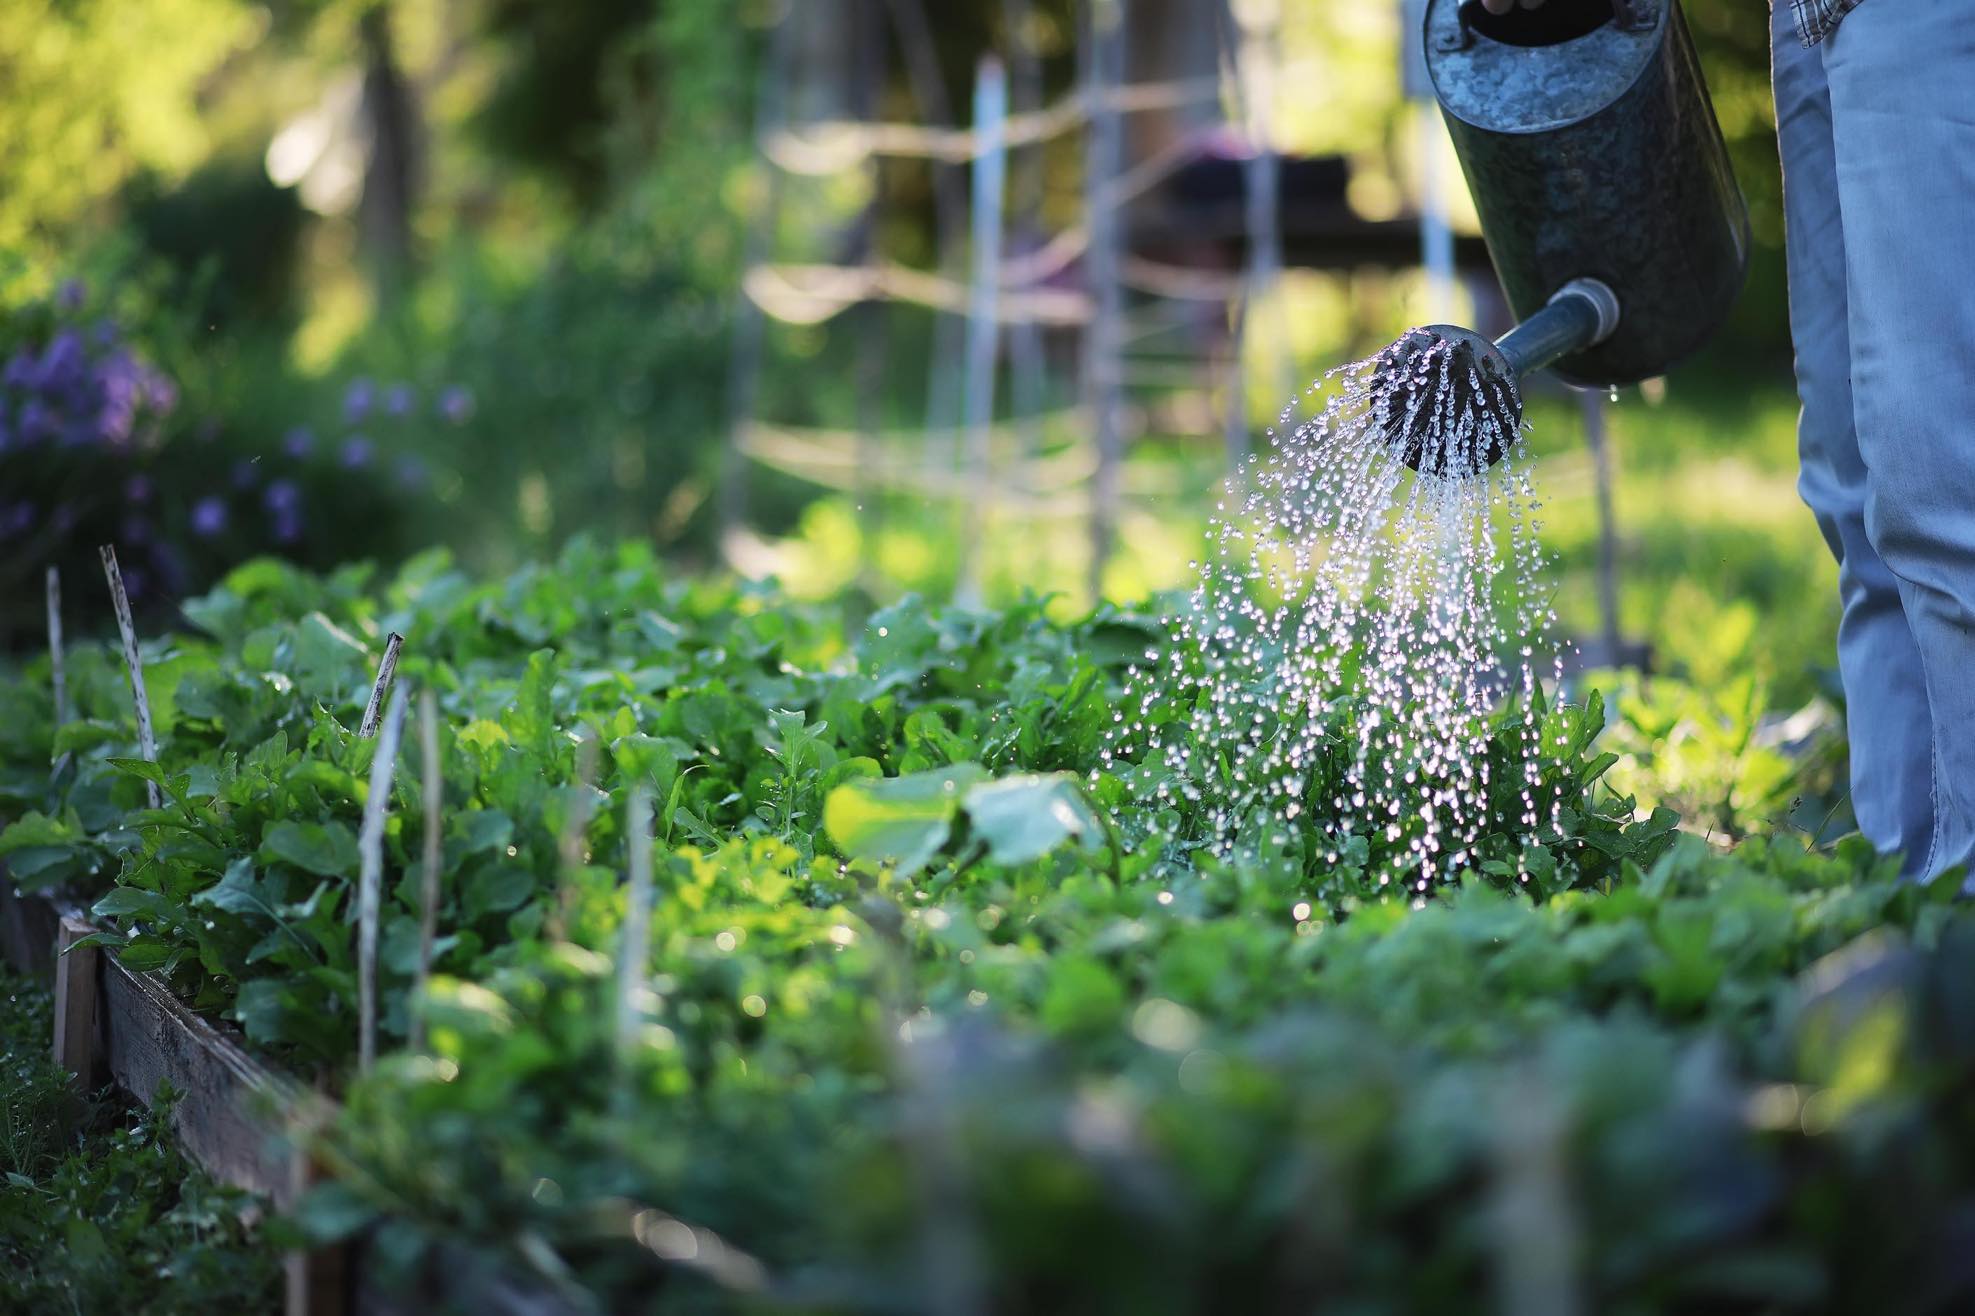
(1627, 16)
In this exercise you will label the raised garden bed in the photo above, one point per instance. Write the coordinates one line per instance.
(916, 1000)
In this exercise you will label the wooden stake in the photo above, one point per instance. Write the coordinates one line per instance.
(428, 896)
(370, 850)
(147, 748)
(387, 671)
(58, 674)
(76, 969)
(575, 830)
(634, 946)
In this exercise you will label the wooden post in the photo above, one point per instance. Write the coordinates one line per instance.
(76, 977)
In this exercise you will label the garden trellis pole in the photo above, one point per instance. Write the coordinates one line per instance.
(1103, 71)
(1027, 368)
(983, 327)
(871, 322)
(1251, 66)
(1592, 405)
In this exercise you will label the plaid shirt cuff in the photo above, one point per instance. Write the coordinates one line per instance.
(1816, 18)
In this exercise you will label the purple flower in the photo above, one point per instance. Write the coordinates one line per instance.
(63, 363)
(456, 404)
(137, 489)
(208, 517)
(357, 452)
(397, 400)
(37, 422)
(159, 391)
(299, 443)
(358, 399)
(283, 496)
(19, 372)
(68, 297)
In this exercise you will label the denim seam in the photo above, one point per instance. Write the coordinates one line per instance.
(1927, 873)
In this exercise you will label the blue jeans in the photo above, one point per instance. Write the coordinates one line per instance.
(1878, 144)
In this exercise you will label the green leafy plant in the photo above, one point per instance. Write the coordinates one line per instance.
(98, 1210)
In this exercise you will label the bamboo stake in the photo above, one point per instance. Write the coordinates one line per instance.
(634, 945)
(57, 669)
(575, 831)
(147, 747)
(387, 671)
(428, 898)
(370, 851)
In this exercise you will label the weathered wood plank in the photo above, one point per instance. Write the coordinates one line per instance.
(231, 1106)
(78, 1023)
(232, 1115)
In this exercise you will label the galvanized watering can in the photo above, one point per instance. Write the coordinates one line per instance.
(1612, 217)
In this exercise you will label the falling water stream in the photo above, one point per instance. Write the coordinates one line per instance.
(1359, 626)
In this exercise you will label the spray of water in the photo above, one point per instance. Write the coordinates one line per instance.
(1364, 613)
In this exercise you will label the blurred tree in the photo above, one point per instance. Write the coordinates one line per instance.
(96, 90)
(390, 184)
(569, 72)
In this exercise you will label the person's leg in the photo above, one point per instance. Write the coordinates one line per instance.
(1885, 693)
(1904, 141)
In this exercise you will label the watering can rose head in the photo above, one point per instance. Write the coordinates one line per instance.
(1445, 401)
